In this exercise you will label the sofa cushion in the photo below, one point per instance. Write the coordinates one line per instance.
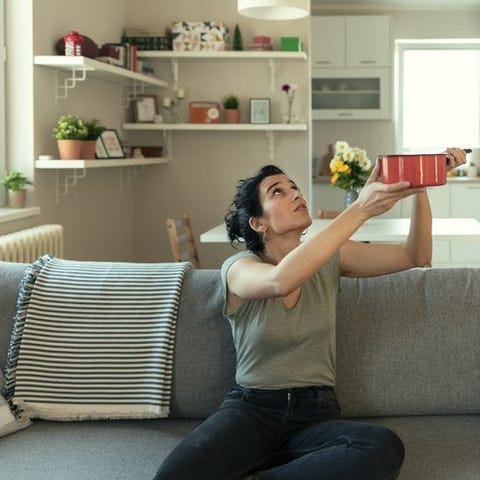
(10, 277)
(409, 343)
(204, 361)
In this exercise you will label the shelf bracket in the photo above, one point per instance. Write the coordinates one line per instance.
(131, 174)
(62, 86)
(271, 65)
(271, 145)
(174, 68)
(68, 180)
(167, 142)
(132, 91)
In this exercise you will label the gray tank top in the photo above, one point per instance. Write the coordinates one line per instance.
(279, 347)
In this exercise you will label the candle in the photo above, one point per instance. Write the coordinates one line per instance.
(180, 93)
(166, 102)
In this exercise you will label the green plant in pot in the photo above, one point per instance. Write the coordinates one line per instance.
(15, 183)
(94, 129)
(70, 131)
(232, 112)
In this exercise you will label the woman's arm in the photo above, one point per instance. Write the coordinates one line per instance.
(251, 278)
(370, 259)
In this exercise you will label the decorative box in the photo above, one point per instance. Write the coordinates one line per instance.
(204, 112)
(290, 44)
(199, 36)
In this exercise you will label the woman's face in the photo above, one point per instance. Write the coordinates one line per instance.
(284, 206)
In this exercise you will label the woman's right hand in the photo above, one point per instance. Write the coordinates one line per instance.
(376, 197)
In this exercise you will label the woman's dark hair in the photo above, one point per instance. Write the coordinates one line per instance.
(246, 204)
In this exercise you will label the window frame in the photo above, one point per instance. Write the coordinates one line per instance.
(401, 45)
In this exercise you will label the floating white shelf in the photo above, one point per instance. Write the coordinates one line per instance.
(103, 163)
(231, 127)
(69, 172)
(97, 69)
(250, 55)
(78, 67)
(176, 56)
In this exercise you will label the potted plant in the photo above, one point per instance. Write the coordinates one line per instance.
(232, 112)
(17, 194)
(94, 129)
(70, 131)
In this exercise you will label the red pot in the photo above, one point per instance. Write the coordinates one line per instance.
(421, 170)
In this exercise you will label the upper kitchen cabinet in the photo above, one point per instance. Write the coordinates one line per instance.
(351, 75)
(351, 41)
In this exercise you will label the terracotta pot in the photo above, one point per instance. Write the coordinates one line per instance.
(232, 115)
(88, 149)
(69, 149)
(17, 199)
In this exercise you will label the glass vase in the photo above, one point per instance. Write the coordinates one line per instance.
(350, 196)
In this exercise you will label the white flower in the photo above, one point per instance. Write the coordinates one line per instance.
(341, 146)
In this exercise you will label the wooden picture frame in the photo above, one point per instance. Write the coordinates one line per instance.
(112, 144)
(260, 110)
(145, 108)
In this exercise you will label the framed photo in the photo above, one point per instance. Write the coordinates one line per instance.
(111, 143)
(145, 108)
(100, 151)
(259, 110)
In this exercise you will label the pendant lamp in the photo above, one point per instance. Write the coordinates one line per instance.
(274, 9)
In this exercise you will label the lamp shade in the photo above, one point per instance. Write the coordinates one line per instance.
(274, 9)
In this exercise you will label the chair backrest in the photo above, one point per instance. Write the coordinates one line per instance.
(328, 213)
(182, 240)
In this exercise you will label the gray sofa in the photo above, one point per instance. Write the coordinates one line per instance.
(408, 356)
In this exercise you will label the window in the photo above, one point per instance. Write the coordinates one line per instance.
(438, 94)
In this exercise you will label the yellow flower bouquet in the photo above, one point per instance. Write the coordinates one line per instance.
(350, 166)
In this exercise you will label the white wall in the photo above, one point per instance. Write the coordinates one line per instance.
(206, 167)
(105, 220)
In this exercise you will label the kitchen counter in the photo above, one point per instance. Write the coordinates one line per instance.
(453, 180)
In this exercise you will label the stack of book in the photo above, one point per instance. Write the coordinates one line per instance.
(148, 38)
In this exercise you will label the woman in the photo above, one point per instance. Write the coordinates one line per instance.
(282, 420)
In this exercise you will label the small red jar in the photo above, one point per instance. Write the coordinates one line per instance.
(73, 44)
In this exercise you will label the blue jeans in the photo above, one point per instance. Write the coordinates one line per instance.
(289, 434)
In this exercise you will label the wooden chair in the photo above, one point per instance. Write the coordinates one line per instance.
(328, 213)
(182, 240)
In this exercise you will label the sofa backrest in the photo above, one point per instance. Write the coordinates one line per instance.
(407, 343)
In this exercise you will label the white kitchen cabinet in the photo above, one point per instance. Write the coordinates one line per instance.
(328, 42)
(368, 41)
(351, 41)
(351, 94)
(351, 75)
(465, 202)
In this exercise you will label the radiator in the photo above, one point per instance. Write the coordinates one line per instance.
(26, 246)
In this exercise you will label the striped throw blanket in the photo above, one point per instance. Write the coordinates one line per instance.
(94, 339)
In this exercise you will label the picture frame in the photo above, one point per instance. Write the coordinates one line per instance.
(112, 144)
(145, 108)
(260, 110)
(100, 151)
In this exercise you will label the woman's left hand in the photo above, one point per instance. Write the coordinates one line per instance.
(455, 157)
